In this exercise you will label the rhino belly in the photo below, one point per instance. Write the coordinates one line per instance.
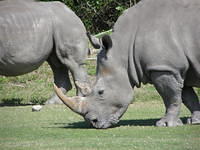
(18, 64)
(17, 69)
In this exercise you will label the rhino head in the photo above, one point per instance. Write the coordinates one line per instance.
(111, 93)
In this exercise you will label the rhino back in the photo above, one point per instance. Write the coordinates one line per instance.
(159, 35)
(25, 36)
(167, 37)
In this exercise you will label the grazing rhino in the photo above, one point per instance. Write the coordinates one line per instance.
(157, 42)
(33, 32)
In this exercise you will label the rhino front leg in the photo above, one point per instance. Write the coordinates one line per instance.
(170, 89)
(79, 75)
(81, 81)
(191, 101)
(61, 79)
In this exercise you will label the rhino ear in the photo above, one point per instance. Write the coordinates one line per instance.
(107, 42)
(94, 41)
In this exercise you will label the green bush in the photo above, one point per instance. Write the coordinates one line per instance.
(38, 100)
(11, 101)
(98, 15)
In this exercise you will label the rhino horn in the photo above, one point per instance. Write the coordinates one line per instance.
(77, 104)
(84, 87)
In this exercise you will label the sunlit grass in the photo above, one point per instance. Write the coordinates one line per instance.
(56, 127)
(34, 87)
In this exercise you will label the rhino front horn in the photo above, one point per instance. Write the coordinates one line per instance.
(76, 104)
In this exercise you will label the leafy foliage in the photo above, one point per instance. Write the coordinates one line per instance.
(98, 15)
(11, 102)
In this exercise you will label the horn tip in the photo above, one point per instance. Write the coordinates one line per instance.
(54, 85)
(56, 88)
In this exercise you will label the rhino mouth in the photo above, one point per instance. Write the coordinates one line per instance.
(103, 124)
(112, 121)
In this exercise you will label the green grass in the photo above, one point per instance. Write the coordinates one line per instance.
(57, 128)
(27, 88)
(34, 87)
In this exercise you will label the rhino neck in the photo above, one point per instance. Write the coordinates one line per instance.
(132, 68)
(123, 56)
(125, 31)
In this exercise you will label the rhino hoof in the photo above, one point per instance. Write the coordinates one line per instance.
(168, 123)
(193, 121)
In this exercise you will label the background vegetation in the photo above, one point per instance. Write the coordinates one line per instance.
(98, 15)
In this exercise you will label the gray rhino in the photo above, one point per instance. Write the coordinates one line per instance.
(33, 32)
(157, 42)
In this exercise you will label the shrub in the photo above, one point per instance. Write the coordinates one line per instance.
(11, 102)
(38, 100)
(98, 15)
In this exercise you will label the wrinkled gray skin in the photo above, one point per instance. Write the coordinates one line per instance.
(156, 42)
(33, 32)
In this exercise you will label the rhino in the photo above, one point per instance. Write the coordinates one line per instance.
(156, 42)
(32, 32)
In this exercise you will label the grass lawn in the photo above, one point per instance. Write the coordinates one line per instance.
(35, 87)
(55, 127)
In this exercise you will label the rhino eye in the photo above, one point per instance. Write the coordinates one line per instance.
(101, 92)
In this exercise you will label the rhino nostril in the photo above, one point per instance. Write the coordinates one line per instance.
(94, 120)
(101, 92)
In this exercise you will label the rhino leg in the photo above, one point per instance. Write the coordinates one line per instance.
(79, 75)
(191, 101)
(170, 89)
(61, 79)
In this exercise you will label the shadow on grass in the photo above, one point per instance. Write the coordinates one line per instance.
(12, 102)
(137, 122)
(19, 102)
(74, 125)
(85, 125)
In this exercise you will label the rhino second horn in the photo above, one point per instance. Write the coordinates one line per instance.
(84, 87)
(76, 104)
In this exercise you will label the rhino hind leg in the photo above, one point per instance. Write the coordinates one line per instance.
(191, 101)
(170, 89)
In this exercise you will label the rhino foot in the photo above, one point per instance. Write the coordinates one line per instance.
(166, 122)
(195, 119)
(54, 100)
